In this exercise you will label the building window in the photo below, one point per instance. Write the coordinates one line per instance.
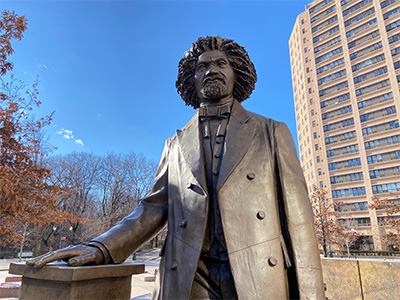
(305, 50)
(319, 172)
(337, 112)
(342, 151)
(330, 66)
(308, 70)
(309, 91)
(356, 7)
(340, 137)
(369, 75)
(366, 50)
(386, 188)
(318, 159)
(364, 39)
(327, 44)
(352, 192)
(329, 55)
(306, 59)
(350, 163)
(388, 156)
(340, 124)
(316, 147)
(304, 40)
(311, 102)
(382, 142)
(347, 178)
(313, 123)
(321, 184)
(304, 31)
(315, 135)
(332, 77)
(312, 112)
(302, 21)
(335, 100)
(378, 114)
(373, 87)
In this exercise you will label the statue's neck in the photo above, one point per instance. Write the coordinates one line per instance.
(217, 102)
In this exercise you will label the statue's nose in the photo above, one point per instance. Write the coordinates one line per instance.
(211, 70)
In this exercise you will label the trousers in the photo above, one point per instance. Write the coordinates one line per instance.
(213, 280)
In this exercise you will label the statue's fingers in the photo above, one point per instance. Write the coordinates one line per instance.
(32, 261)
(52, 256)
(82, 260)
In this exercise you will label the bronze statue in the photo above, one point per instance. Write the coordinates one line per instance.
(230, 188)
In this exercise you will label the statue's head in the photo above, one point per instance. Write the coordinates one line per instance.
(244, 72)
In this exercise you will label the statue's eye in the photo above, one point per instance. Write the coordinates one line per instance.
(201, 68)
(221, 63)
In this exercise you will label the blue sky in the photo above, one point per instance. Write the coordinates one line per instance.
(108, 68)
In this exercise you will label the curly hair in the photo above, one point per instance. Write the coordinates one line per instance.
(245, 73)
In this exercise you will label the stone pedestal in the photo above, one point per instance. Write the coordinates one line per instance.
(60, 281)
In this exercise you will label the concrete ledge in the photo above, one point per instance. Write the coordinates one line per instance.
(361, 278)
(9, 290)
(60, 281)
(147, 278)
(13, 279)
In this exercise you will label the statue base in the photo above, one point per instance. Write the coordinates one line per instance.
(60, 281)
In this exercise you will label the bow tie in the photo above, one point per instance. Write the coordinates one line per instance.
(214, 112)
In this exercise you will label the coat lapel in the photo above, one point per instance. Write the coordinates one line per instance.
(189, 142)
(239, 134)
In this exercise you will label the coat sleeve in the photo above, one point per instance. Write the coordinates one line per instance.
(148, 218)
(299, 217)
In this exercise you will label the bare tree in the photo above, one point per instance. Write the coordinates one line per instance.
(325, 222)
(391, 220)
(346, 235)
(122, 181)
(77, 171)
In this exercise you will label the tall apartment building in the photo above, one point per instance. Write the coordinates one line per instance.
(345, 60)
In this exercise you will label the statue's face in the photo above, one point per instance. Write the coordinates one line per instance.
(214, 77)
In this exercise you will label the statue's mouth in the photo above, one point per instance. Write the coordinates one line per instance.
(214, 80)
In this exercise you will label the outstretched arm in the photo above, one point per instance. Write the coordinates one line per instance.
(74, 255)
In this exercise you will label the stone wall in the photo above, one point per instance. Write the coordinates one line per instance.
(361, 278)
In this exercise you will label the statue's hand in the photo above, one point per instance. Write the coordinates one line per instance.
(75, 256)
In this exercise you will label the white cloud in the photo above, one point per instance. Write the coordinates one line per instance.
(40, 65)
(79, 142)
(68, 134)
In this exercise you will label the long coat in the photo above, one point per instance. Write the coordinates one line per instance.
(265, 212)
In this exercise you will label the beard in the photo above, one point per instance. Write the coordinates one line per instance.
(212, 91)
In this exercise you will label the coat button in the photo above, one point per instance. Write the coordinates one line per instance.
(189, 185)
(272, 261)
(174, 266)
(261, 215)
(183, 223)
(251, 176)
